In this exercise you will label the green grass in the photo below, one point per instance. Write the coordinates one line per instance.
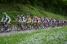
(20, 9)
(51, 36)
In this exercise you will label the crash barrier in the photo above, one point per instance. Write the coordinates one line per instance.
(17, 26)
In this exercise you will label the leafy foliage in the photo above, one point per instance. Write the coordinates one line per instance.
(56, 6)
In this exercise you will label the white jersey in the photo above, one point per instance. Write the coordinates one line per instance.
(6, 19)
(24, 19)
(19, 20)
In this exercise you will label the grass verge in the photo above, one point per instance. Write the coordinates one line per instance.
(51, 36)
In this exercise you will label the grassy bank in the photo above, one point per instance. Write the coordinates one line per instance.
(51, 36)
(19, 9)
